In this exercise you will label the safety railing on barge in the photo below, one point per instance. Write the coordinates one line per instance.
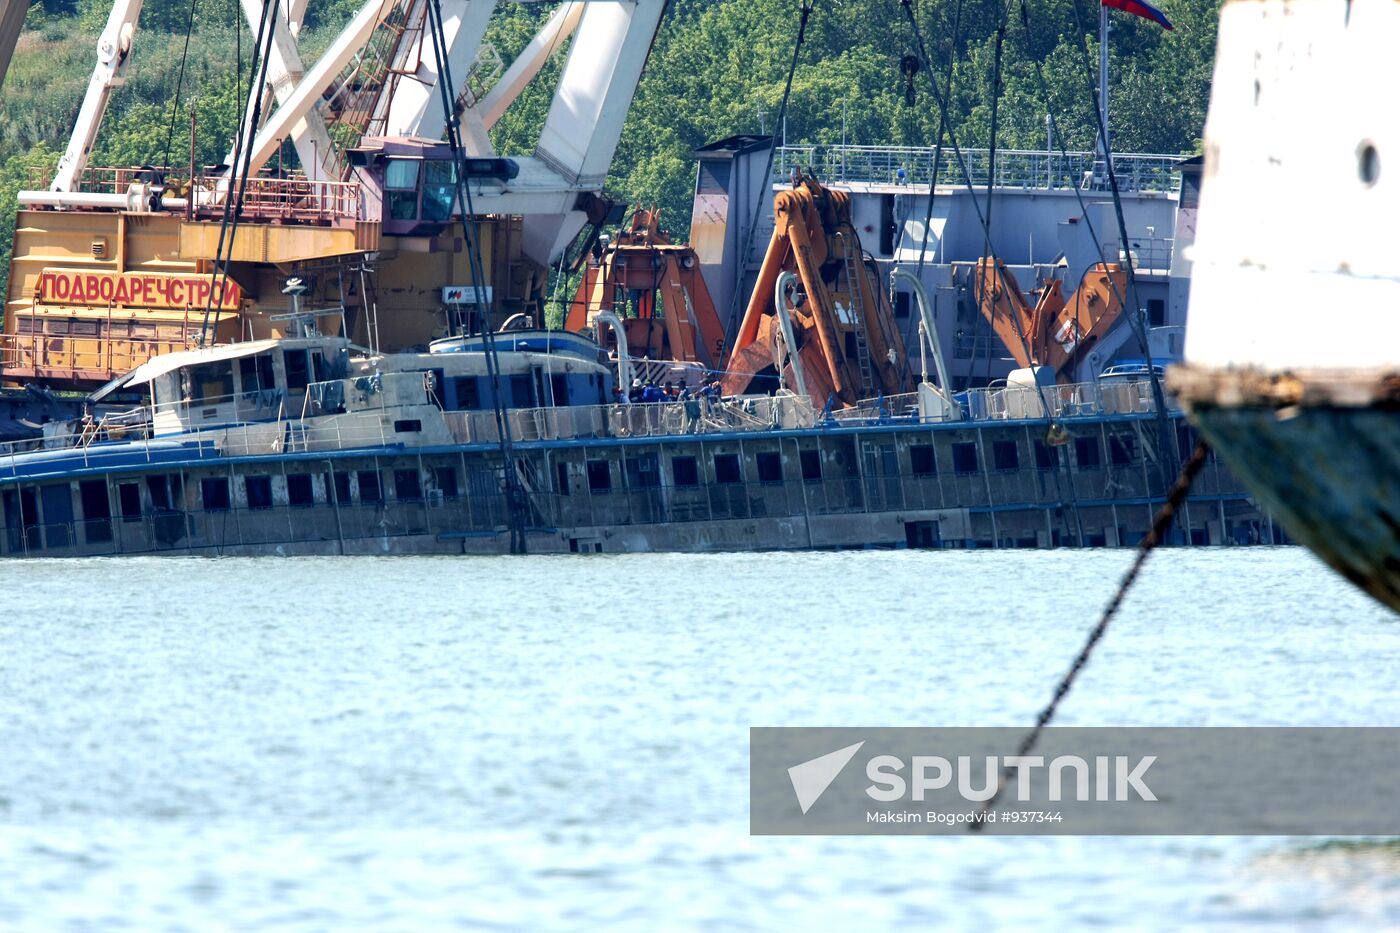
(1015, 168)
(318, 422)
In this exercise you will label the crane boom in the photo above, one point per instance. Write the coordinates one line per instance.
(113, 52)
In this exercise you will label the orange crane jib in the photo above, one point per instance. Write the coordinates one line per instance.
(843, 326)
(1059, 332)
(641, 266)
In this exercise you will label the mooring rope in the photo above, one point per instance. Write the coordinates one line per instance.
(1161, 524)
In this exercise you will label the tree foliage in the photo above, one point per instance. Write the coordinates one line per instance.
(717, 68)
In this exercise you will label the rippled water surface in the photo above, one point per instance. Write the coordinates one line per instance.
(410, 743)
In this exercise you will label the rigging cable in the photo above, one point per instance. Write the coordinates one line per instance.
(1161, 525)
(179, 86)
(242, 152)
(766, 178)
(1166, 452)
(514, 492)
(938, 147)
(942, 102)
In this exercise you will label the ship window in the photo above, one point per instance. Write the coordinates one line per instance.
(439, 190)
(467, 392)
(408, 426)
(1120, 450)
(129, 498)
(520, 392)
(811, 465)
(160, 492)
(97, 510)
(714, 176)
(1087, 453)
(255, 373)
(1045, 456)
(965, 458)
(298, 369)
(215, 493)
(84, 328)
(1005, 456)
(643, 471)
(408, 487)
(921, 461)
(727, 469)
(212, 382)
(770, 466)
(338, 488)
(559, 387)
(371, 490)
(684, 471)
(561, 478)
(58, 514)
(300, 491)
(259, 490)
(1156, 312)
(599, 476)
(446, 478)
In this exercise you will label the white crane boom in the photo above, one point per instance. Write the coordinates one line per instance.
(113, 52)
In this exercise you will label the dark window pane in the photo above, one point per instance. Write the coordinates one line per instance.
(215, 493)
(1087, 453)
(259, 490)
(1046, 457)
(685, 471)
(467, 393)
(298, 369)
(1121, 448)
(727, 469)
(811, 465)
(921, 460)
(770, 467)
(370, 488)
(300, 491)
(129, 497)
(408, 486)
(561, 478)
(338, 488)
(965, 458)
(1005, 455)
(599, 476)
(446, 478)
(643, 471)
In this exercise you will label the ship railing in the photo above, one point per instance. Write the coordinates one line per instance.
(655, 419)
(1149, 253)
(1015, 168)
(902, 407)
(286, 197)
(80, 357)
(1061, 402)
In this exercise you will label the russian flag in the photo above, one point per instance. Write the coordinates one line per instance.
(1140, 8)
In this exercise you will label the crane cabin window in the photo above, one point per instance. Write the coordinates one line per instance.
(439, 188)
(401, 188)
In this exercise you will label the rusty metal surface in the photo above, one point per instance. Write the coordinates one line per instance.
(1329, 472)
(1344, 388)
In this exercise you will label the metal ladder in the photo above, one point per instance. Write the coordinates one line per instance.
(857, 310)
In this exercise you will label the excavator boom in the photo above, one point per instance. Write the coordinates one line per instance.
(846, 340)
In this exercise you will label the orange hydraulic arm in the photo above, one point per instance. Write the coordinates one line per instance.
(843, 325)
(1057, 333)
(629, 276)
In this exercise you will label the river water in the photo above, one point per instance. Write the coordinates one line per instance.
(561, 742)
